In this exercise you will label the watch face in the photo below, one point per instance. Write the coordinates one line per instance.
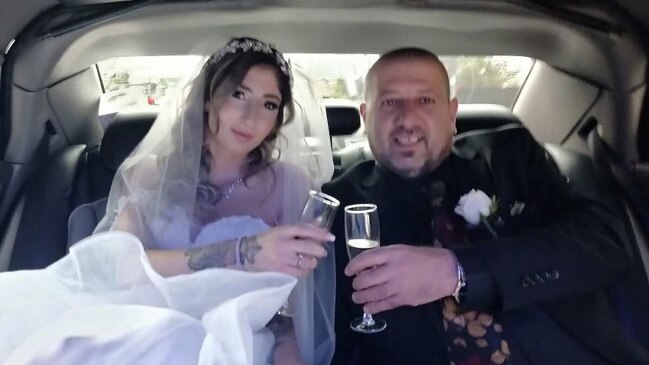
(460, 288)
(460, 292)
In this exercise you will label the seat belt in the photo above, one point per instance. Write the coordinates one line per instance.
(622, 176)
(638, 216)
(11, 206)
(7, 170)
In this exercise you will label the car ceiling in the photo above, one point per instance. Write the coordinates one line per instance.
(522, 27)
(638, 9)
(23, 11)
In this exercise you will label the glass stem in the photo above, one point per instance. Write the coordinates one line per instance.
(368, 320)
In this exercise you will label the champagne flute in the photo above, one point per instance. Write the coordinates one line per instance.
(362, 233)
(320, 210)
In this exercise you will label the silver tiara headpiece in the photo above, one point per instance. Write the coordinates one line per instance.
(236, 46)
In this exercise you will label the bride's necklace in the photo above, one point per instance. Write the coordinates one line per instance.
(220, 194)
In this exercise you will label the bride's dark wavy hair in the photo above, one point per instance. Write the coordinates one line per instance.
(222, 74)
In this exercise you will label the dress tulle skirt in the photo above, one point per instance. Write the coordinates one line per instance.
(104, 304)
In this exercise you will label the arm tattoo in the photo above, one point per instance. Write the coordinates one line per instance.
(220, 254)
(248, 250)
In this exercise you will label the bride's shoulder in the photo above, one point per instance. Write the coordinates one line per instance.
(289, 188)
(287, 172)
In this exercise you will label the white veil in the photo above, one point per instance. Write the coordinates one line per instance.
(158, 183)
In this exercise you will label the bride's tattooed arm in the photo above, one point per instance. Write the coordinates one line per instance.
(223, 254)
(248, 250)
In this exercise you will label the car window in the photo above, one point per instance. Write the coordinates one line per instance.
(146, 80)
(140, 82)
(474, 79)
(487, 79)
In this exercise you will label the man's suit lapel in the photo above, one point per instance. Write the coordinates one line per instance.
(402, 219)
(500, 170)
(404, 210)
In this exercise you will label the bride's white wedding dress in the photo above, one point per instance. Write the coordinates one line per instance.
(104, 304)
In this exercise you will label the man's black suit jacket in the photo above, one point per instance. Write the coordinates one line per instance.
(557, 255)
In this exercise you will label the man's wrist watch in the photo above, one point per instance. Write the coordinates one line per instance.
(460, 287)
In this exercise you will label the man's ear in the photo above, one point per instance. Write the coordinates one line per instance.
(363, 111)
(453, 105)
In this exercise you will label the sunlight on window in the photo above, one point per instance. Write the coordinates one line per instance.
(487, 79)
(148, 82)
(339, 76)
(473, 79)
(141, 82)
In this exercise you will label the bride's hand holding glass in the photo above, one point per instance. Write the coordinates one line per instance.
(290, 249)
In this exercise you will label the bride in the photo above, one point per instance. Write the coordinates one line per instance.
(200, 246)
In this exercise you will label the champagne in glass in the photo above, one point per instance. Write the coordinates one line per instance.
(362, 233)
(357, 245)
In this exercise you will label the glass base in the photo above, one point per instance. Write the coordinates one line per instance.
(285, 311)
(367, 324)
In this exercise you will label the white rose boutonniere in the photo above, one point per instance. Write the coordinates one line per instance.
(476, 207)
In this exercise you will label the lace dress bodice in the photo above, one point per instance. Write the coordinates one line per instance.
(251, 209)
